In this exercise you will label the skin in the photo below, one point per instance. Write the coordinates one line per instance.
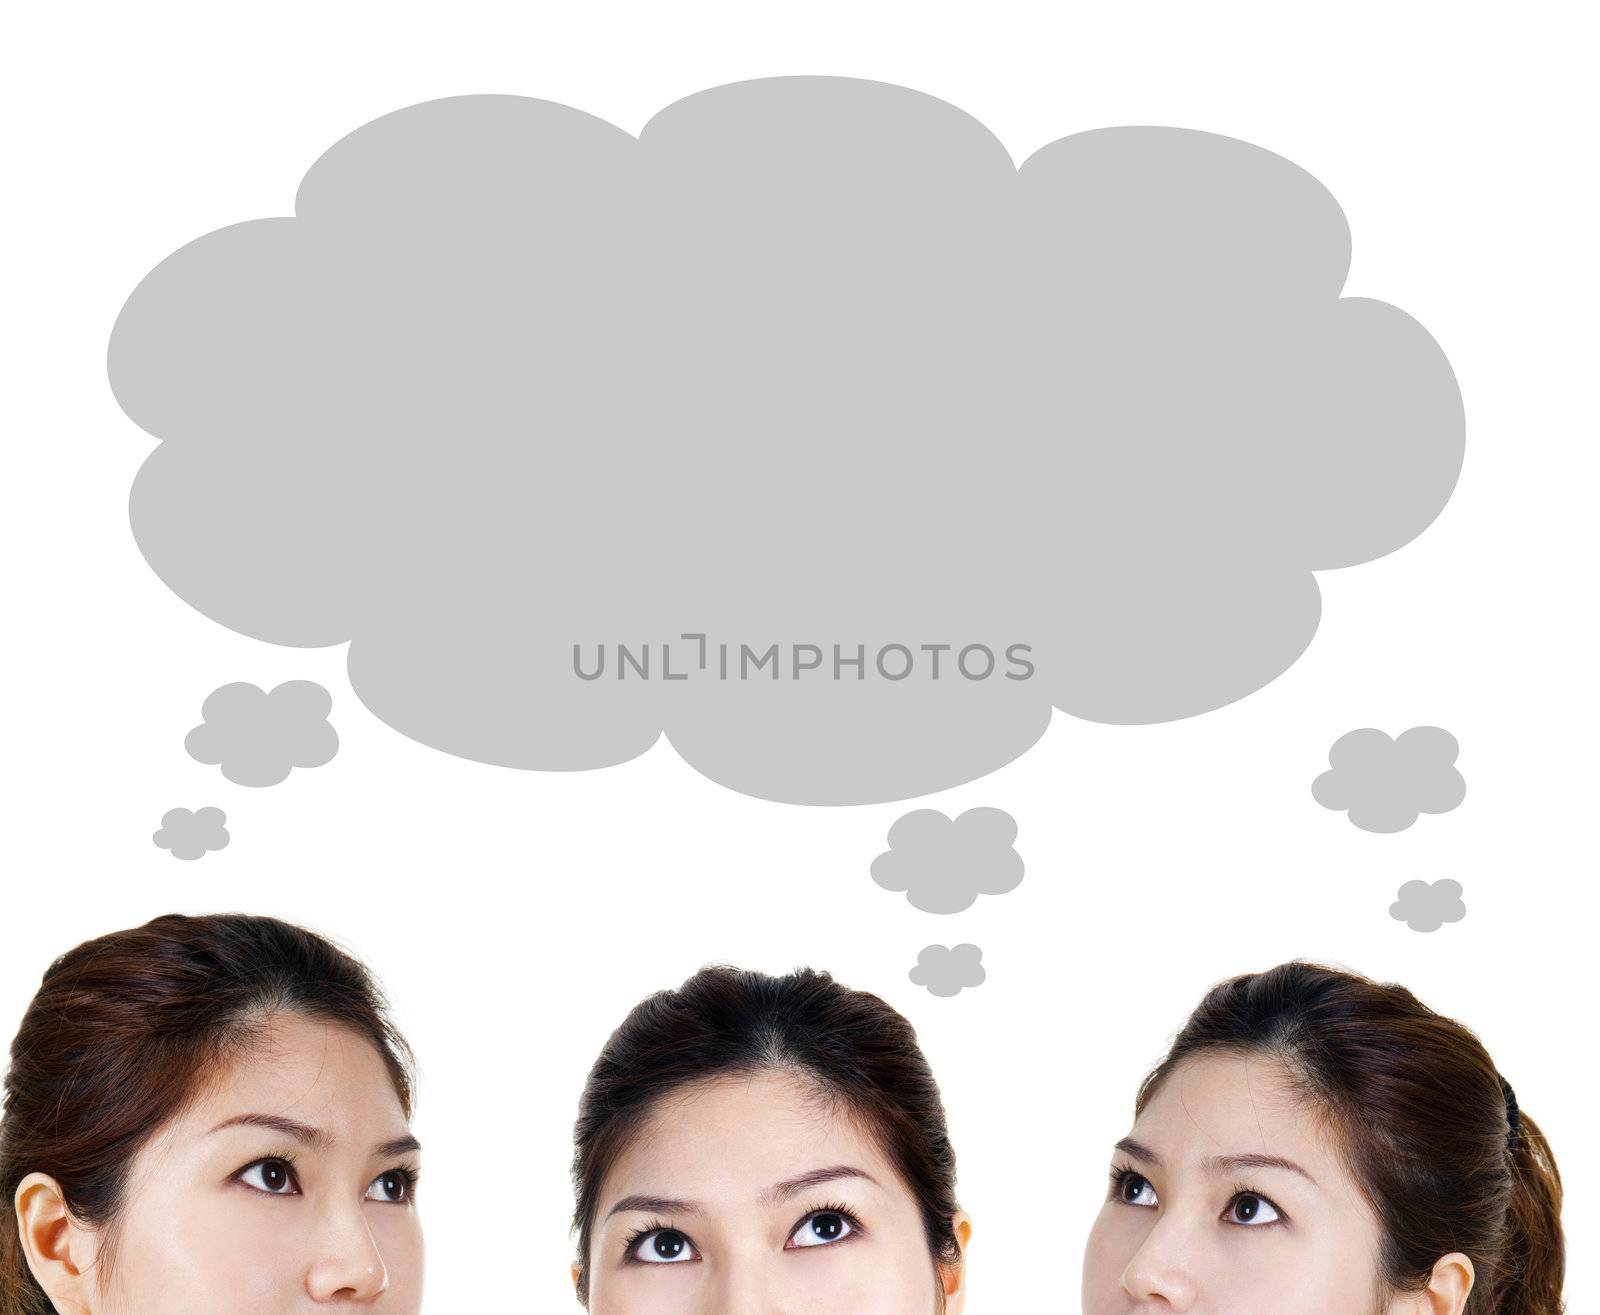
(725, 1161)
(207, 1226)
(1205, 1224)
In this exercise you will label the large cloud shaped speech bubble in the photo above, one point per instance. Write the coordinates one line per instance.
(805, 428)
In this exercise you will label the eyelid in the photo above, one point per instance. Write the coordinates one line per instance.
(410, 1174)
(1120, 1174)
(631, 1245)
(857, 1228)
(286, 1160)
(1278, 1210)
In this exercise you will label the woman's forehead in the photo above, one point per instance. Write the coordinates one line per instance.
(309, 1070)
(733, 1138)
(1230, 1119)
(1231, 1104)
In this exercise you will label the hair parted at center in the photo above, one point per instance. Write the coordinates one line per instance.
(726, 1021)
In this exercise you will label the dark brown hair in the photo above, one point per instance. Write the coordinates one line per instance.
(1430, 1129)
(726, 1021)
(127, 1028)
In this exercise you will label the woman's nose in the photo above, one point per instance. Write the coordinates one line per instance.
(1164, 1273)
(349, 1267)
(745, 1288)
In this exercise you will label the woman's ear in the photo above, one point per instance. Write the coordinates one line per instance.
(58, 1248)
(954, 1276)
(1450, 1285)
(1448, 1288)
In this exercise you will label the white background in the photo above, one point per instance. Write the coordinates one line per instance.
(515, 917)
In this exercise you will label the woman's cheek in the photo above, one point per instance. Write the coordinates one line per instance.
(640, 1291)
(1112, 1243)
(398, 1234)
(862, 1280)
(177, 1260)
(1290, 1280)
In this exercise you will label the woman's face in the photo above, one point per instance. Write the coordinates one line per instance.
(285, 1188)
(1228, 1197)
(756, 1196)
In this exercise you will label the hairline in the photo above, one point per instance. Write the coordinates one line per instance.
(633, 1125)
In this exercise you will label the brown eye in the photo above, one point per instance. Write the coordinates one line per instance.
(663, 1246)
(394, 1187)
(1249, 1209)
(274, 1177)
(1135, 1189)
(822, 1228)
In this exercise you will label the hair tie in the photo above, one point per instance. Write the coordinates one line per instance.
(1513, 1116)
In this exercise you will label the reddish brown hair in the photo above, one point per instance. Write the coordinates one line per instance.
(1431, 1131)
(723, 1021)
(125, 1030)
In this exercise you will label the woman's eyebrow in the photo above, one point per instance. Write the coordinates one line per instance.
(1218, 1164)
(301, 1132)
(655, 1205)
(1234, 1163)
(782, 1191)
(1138, 1150)
(672, 1205)
(314, 1137)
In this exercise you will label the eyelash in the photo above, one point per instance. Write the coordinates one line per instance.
(856, 1229)
(633, 1240)
(656, 1226)
(410, 1175)
(1240, 1190)
(286, 1159)
(1120, 1173)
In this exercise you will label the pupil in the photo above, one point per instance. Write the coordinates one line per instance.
(1249, 1207)
(827, 1226)
(274, 1175)
(391, 1184)
(669, 1245)
(1132, 1188)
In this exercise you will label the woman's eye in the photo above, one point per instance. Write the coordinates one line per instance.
(1135, 1189)
(820, 1229)
(274, 1177)
(394, 1187)
(1248, 1208)
(665, 1246)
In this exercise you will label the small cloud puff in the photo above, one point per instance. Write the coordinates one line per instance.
(1428, 905)
(1385, 783)
(259, 738)
(192, 834)
(949, 969)
(944, 865)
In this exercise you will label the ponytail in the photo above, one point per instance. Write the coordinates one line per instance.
(1535, 1258)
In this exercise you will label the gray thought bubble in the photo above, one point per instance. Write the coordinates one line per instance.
(949, 969)
(1427, 906)
(192, 834)
(943, 865)
(810, 370)
(1386, 783)
(259, 738)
